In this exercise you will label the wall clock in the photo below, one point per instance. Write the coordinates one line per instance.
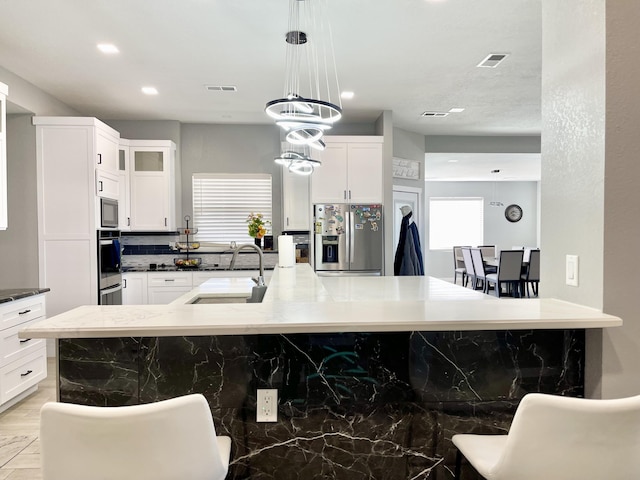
(513, 213)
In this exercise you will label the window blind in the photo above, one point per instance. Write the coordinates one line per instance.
(222, 203)
(455, 221)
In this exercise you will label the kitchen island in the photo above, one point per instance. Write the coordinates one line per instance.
(374, 374)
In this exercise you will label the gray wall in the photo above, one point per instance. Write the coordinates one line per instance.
(497, 230)
(19, 243)
(209, 148)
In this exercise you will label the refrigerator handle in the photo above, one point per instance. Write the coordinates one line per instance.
(352, 232)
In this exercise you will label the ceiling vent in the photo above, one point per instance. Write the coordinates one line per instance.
(221, 88)
(434, 114)
(493, 60)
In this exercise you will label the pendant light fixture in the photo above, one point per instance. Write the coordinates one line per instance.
(307, 109)
(297, 160)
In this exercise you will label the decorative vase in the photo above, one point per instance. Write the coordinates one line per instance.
(258, 242)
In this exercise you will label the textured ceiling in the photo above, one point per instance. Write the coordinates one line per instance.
(406, 56)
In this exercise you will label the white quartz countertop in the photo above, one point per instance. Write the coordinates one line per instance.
(297, 301)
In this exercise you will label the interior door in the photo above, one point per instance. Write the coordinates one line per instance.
(412, 197)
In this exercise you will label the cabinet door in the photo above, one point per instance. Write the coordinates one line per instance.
(124, 206)
(365, 173)
(149, 189)
(107, 152)
(107, 185)
(166, 295)
(329, 182)
(3, 164)
(295, 201)
(134, 289)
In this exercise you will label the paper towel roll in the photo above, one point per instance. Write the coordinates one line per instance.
(286, 251)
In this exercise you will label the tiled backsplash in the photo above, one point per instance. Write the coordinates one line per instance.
(143, 250)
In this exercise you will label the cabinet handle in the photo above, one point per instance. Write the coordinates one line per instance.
(27, 373)
(165, 221)
(25, 340)
(100, 183)
(124, 281)
(287, 221)
(128, 221)
(345, 194)
(99, 159)
(349, 194)
(25, 312)
(169, 279)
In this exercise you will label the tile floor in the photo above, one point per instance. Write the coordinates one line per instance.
(19, 425)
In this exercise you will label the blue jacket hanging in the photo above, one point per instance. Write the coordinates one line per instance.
(408, 260)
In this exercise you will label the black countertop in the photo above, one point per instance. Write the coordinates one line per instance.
(11, 294)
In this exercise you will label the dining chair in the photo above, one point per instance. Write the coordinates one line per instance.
(488, 251)
(555, 437)
(479, 269)
(509, 273)
(468, 265)
(165, 440)
(458, 266)
(532, 274)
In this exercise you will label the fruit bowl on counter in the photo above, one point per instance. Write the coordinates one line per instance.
(187, 246)
(187, 262)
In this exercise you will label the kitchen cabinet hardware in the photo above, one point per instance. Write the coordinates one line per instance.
(165, 221)
(128, 221)
(25, 340)
(124, 282)
(99, 159)
(28, 372)
(24, 312)
(169, 279)
(100, 188)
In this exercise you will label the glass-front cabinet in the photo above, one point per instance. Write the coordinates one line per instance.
(154, 176)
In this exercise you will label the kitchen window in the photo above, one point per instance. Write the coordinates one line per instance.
(455, 221)
(222, 202)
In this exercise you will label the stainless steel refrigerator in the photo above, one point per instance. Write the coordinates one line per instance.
(348, 239)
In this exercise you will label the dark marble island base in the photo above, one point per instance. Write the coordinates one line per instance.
(351, 405)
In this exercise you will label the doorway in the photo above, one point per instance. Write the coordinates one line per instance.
(412, 197)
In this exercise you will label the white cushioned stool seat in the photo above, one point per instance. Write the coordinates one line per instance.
(560, 438)
(167, 440)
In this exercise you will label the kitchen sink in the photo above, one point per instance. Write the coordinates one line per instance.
(220, 299)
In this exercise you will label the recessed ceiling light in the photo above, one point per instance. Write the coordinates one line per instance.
(493, 60)
(456, 110)
(453, 160)
(347, 95)
(150, 90)
(108, 48)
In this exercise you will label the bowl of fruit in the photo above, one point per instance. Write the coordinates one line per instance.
(187, 262)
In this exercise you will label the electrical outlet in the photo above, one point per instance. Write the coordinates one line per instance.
(267, 405)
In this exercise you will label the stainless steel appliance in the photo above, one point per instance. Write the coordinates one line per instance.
(109, 268)
(301, 243)
(108, 213)
(348, 239)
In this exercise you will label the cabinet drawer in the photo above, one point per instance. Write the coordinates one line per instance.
(20, 311)
(169, 279)
(13, 348)
(20, 375)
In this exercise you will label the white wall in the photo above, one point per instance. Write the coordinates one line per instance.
(497, 229)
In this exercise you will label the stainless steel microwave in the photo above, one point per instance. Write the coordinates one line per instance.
(108, 213)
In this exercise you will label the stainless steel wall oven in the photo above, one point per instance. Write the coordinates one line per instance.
(109, 268)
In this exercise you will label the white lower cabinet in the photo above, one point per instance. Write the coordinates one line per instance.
(165, 287)
(23, 361)
(134, 288)
(161, 288)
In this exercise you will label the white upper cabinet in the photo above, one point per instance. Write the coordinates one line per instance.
(351, 171)
(155, 185)
(106, 152)
(295, 201)
(4, 91)
(124, 180)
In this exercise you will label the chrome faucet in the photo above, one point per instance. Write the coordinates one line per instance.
(260, 280)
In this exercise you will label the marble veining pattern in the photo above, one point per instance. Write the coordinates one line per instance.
(351, 405)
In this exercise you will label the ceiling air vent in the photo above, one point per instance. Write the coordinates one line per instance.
(221, 88)
(493, 60)
(434, 114)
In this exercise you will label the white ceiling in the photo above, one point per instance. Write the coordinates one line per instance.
(407, 56)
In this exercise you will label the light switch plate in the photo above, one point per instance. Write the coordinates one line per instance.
(572, 270)
(267, 405)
